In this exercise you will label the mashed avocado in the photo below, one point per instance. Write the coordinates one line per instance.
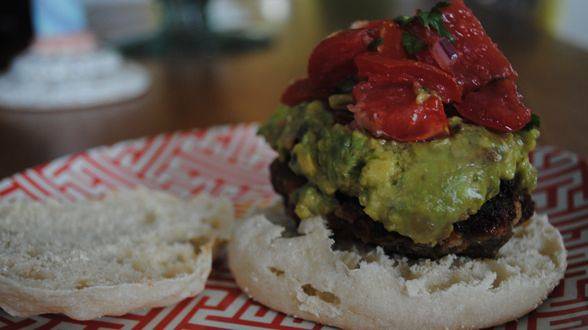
(416, 189)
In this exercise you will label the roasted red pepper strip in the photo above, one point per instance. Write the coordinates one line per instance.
(301, 90)
(391, 45)
(331, 60)
(391, 111)
(497, 106)
(478, 61)
(376, 67)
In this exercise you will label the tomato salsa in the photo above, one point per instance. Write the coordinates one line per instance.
(407, 74)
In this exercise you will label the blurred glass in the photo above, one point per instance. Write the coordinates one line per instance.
(58, 18)
(183, 27)
(123, 21)
(250, 17)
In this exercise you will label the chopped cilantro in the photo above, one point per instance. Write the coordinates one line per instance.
(432, 19)
(412, 44)
(403, 20)
(373, 46)
(535, 122)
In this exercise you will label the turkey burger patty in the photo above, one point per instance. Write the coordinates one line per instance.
(461, 194)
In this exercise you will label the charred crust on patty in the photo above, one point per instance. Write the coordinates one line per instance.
(481, 235)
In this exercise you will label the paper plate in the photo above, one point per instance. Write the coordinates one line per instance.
(231, 161)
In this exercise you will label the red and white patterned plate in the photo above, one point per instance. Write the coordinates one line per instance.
(231, 161)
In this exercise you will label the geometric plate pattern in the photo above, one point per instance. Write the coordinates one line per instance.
(232, 161)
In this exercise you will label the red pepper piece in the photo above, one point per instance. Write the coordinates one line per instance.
(331, 60)
(479, 60)
(497, 106)
(376, 67)
(301, 90)
(391, 111)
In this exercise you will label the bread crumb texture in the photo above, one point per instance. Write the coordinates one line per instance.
(134, 240)
(302, 272)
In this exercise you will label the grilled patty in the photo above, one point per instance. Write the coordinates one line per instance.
(481, 235)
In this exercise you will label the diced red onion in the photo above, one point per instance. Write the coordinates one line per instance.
(444, 53)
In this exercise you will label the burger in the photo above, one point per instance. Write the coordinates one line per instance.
(403, 165)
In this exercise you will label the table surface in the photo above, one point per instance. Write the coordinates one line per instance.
(199, 90)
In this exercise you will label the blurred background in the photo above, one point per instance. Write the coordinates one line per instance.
(209, 62)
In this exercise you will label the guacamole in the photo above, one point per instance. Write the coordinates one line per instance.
(416, 189)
